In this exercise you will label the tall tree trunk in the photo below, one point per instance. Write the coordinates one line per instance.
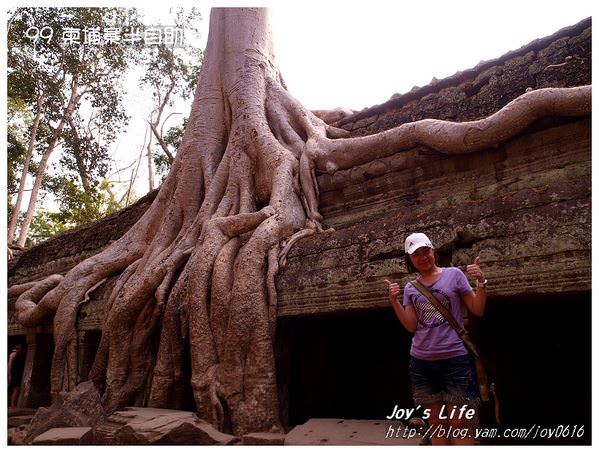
(197, 270)
(150, 166)
(32, 139)
(79, 161)
(165, 149)
(41, 169)
(154, 123)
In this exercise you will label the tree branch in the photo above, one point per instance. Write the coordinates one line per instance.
(170, 156)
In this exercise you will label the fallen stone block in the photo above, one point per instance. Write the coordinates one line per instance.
(18, 411)
(264, 439)
(155, 426)
(65, 436)
(16, 436)
(331, 431)
(18, 420)
(78, 408)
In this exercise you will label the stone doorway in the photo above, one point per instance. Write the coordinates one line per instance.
(541, 347)
(35, 391)
(352, 366)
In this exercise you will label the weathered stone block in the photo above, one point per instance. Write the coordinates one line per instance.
(155, 426)
(65, 436)
(19, 420)
(16, 436)
(264, 439)
(334, 431)
(81, 407)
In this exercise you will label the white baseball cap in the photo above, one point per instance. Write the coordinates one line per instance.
(416, 240)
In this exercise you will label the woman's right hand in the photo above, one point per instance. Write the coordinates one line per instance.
(406, 315)
(393, 290)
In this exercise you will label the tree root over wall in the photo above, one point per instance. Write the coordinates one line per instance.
(197, 271)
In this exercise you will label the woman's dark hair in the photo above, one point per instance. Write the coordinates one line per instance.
(409, 265)
(411, 268)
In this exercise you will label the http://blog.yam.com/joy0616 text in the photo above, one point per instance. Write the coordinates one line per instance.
(452, 412)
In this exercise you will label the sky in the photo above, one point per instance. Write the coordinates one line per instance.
(357, 54)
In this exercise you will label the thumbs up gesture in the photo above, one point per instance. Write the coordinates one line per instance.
(474, 271)
(393, 290)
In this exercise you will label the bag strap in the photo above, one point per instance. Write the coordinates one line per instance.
(480, 361)
(462, 333)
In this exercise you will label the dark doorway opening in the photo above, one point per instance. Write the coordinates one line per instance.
(187, 402)
(39, 394)
(18, 346)
(89, 340)
(540, 346)
(352, 365)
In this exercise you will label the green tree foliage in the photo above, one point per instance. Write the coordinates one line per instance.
(64, 68)
(171, 71)
(76, 207)
(65, 65)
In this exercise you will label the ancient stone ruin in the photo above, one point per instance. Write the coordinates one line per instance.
(524, 207)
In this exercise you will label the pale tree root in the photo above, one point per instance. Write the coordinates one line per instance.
(312, 227)
(29, 312)
(334, 115)
(204, 349)
(138, 314)
(98, 370)
(17, 290)
(454, 138)
(64, 373)
(245, 376)
(130, 376)
(224, 363)
(170, 227)
(122, 255)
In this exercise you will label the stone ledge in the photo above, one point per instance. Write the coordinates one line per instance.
(18, 420)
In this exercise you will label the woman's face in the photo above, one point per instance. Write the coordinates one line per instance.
(423, 259)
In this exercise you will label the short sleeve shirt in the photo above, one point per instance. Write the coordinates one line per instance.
(434, 338)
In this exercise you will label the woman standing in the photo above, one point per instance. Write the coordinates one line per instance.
(441, 369)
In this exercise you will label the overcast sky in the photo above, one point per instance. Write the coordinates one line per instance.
(357, 54)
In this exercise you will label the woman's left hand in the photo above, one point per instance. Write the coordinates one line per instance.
(474, 271)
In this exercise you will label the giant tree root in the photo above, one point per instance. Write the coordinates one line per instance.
(197, 271)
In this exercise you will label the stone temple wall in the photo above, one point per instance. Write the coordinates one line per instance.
(524, 207)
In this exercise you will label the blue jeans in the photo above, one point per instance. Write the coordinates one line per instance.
(450, 381)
